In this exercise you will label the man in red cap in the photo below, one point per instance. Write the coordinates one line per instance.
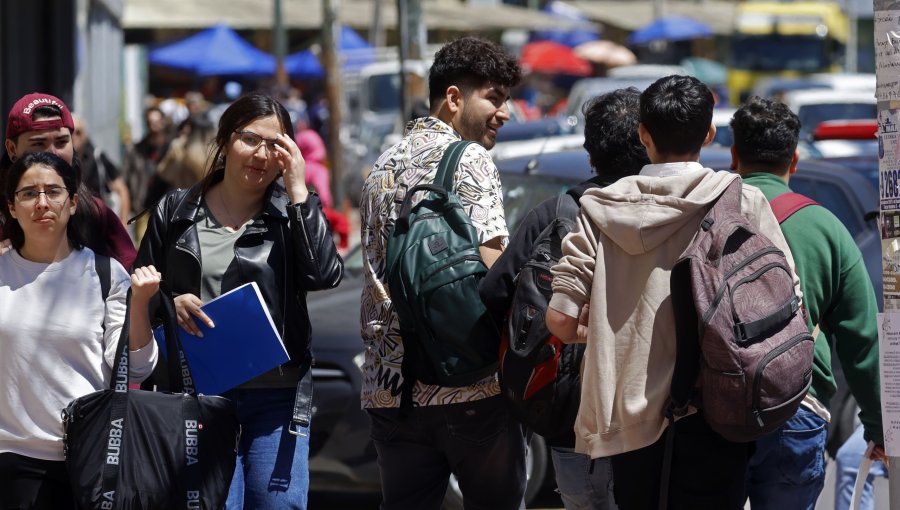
(41, 122)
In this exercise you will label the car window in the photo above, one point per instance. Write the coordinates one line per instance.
(814, 114)
(833, 198)
(521, 193)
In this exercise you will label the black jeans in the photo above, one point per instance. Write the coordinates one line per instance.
(33, 484)
(479, 442)
(707, 471)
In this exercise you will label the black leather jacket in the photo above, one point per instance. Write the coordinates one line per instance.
(288, 250)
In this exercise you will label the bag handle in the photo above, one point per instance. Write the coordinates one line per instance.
(179, 371)
(865, 466)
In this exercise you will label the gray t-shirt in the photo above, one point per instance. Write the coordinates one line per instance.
(216, 256)
(216, 252)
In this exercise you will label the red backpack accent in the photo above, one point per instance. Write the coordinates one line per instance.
(786, 204)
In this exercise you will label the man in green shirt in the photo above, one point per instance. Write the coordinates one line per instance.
(788, 468)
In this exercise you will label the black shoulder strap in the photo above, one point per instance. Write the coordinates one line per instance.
(567, 206)
(447, 167)
(101, 264)
(566, 212)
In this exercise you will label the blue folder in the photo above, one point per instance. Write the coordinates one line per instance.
(243, 344)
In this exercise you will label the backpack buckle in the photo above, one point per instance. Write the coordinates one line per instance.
(707, 223)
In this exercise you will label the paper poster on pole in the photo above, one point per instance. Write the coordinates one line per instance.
(887, 55)
(889, 193)
(889, 356)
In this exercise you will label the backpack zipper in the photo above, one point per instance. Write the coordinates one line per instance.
(453, 263)
(721, 292)
(757, 379)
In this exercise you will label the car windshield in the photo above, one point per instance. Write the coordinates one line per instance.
(521, 193)
(779, 52)
(812, 115)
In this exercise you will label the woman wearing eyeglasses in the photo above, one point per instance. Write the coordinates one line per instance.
(243, 224)
(57, 335)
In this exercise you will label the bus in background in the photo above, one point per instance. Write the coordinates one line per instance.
(785, 39)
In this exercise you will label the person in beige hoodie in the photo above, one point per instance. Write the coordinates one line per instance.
(615, 273)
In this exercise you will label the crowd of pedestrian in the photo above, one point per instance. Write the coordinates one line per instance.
(246, 197)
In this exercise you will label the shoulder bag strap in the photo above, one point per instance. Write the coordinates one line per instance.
(101, 265)
(449, 162)
(786, 204)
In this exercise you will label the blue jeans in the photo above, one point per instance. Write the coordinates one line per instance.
(581, 485)
(272, 471)
(847, 461)
(788, 468)
(480, 442)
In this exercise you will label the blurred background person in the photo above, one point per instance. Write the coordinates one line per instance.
(185, 162)
(98, 173)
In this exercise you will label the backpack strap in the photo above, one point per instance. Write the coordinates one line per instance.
(447, 167)
(786, 204)
(566, 211)
(102, 266)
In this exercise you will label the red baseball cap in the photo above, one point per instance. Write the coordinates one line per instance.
(20, 120)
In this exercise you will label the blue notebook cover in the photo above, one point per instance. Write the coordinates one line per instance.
(243, 344)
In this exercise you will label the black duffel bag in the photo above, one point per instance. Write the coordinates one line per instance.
(132, 449)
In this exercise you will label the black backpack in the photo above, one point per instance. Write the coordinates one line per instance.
(744, 353)
(539, 375)
(434, 267)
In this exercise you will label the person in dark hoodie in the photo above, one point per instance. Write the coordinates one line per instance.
(615, 151)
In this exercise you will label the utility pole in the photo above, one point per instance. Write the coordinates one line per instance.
(659, 8)
(852, 37)
(334, 96)
(887, 92)
(413, 39)
(376, 30)
(403, 50)
(280, 43)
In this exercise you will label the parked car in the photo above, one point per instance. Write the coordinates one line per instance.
(586, 89)
(816, 106)
(342, 456)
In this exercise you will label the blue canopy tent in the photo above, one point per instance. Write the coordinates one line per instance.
(303, 64)
(670, 28)
(218, 50)
(355, 52)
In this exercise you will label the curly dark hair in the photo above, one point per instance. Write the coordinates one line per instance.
(76, 229)
(468, 63)
(765, 134)
(611, 133)
(677, 112)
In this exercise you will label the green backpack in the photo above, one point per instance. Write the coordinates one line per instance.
(434, 267)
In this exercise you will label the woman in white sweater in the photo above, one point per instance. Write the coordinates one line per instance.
(57, 336)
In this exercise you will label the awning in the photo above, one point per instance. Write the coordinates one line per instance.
(629, 15)
(307, 14)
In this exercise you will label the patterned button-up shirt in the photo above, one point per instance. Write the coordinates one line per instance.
(414, 160)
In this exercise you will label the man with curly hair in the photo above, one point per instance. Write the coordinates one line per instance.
(615, 151)
(465, 431)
